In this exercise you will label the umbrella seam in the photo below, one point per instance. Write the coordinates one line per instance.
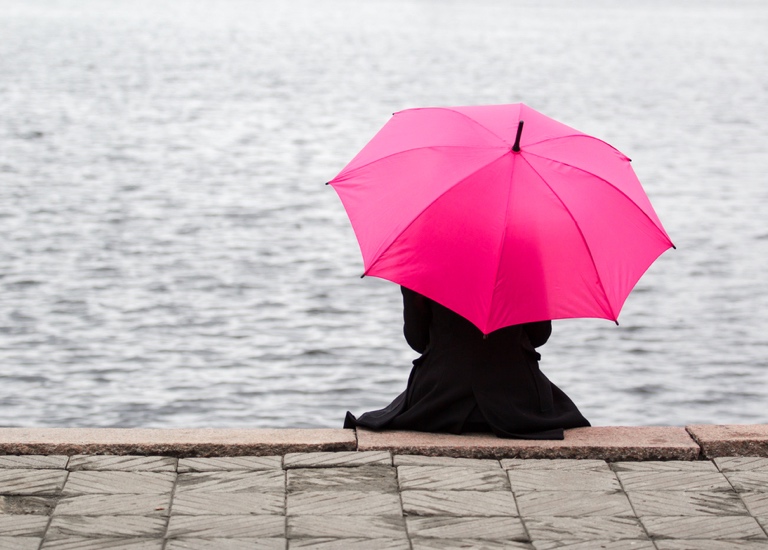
(367, 164)
(452, 110)
(622, 193)
(383, 251)
(576, 135)
(583, 239)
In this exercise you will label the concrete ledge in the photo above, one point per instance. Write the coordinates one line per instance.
(604, 443)
(172, 442)
(731, 440)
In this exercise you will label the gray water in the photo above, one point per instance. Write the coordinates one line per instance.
(170, 257)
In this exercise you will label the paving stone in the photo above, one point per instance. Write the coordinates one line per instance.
(471, 544)
(27, 505)
(38, 462)
(114, 505)
(748, 481)
(584, 529)
(238, 527)
(362, 478)
(20, 543)
(89, 482)
(731, 440)
(687, 503)
(418, 460)
(196, 503)
(339, 459)
(451, 478)
(703, 527)
(494, 528)
(742, 464)
(232, 482)
(105, 526)
(562, 480)
(31, 482)
(330, 503)
(567, 464)
(230, 464)
(122, 463)
(576, 504)
(674, 481)
(101, 543)
(23, 526)
(344, 527)
(757, 503)
(625, 544)
(665, 466)
(226, 544)
(326, 543)
(711, 545)
(459, 503)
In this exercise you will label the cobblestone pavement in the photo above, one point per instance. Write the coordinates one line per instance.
(373, 500)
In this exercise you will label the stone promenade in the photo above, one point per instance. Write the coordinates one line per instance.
(382, 499)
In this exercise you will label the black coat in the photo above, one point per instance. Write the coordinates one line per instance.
(467, 382)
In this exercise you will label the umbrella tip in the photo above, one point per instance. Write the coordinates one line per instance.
(516, 146)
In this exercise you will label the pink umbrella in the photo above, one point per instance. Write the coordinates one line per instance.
(501, 222)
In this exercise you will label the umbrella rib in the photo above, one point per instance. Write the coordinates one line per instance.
(583, 239)
(380, 253)
(576, 136)
(367, 164)
(607, 183)
(476, 123)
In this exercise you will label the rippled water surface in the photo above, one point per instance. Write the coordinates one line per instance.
(170, 256)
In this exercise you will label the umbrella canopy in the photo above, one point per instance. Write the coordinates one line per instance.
(501, 214)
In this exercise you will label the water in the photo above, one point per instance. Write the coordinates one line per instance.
(170, 256)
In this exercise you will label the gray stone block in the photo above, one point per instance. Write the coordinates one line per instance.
(704, 527)
(419, 460)
(674, 481)
(230, 464)
(226, 544)
(232, 482)
(349, 503)
(38, 462)
(562, 480)
(566, 464)
(752, 481)
(451, 478)
(89, 482)
(338, 459)
(238, 527)
(711, 545)
(459, 503)
(345, 527)
(197, 503)
(31, 482)
(665, 466)
(742, 464)
(468, 544)
(574, 504)
(27, 505)
(361, 478)
(326, 543)
(625, 544)
(584, 528)
(122, 463)
(687, 503)
(757, 503)
(105, 526)
(101, 543)
(23, 526)
(477, 528)
(20, 543)
(114, 505)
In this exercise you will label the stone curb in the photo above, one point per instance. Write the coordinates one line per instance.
(611, 443)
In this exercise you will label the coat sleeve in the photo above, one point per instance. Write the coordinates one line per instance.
(417, 317)
(538, 333)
